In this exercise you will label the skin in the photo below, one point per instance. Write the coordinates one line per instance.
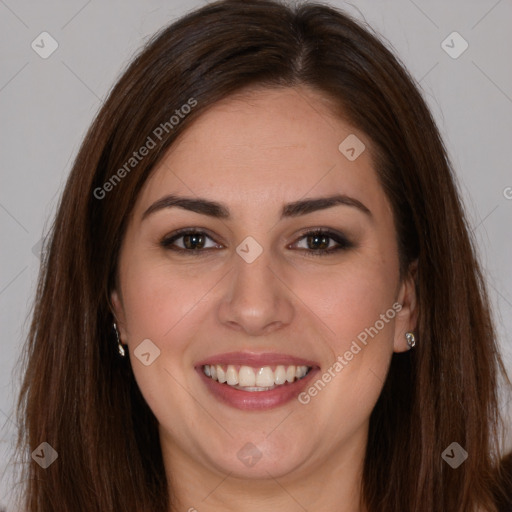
(254, 153)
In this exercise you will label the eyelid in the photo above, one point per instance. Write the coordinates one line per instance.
(341, 239)
(324, 231)
(168, 240)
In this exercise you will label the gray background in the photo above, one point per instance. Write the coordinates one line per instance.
(46, 106)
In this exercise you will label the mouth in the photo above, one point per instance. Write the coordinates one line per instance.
(256, 381)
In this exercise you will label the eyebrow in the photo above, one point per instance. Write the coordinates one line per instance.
(220, 211)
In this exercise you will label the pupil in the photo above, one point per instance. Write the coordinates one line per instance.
(190, 241)
(322, 239)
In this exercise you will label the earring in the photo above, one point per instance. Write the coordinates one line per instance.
(120, 347)
(411, 340)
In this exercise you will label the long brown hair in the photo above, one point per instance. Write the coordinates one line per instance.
(82, 399)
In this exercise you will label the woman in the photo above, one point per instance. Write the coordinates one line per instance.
(259, 285)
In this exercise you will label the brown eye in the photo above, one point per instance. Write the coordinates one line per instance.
(189, 241)
(318, 242)
(194, 241)
(322, 242)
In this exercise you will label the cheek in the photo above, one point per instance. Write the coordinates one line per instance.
(356, 320)
(353, 304)
(160, 305)
(157, 297)
(348, 299)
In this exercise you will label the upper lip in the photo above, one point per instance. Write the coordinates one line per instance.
(256, 359)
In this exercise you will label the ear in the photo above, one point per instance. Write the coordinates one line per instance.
(119, 316)
(407, 317)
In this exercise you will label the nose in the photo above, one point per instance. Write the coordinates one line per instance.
(257, 300)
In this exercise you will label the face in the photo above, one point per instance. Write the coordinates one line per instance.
(293, 269)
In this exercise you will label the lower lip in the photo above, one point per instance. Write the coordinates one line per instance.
(257, 400)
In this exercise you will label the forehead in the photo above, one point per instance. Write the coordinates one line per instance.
(267, 146)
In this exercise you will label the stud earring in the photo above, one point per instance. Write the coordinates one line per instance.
(411, 340)
(120, 347)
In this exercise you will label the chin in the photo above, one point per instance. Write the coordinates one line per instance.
(259, 460)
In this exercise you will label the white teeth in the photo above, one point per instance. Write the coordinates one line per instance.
(253, 389)
(246, 376)
(280, 375)
(231, 375)
(251, 379)
(221, 375)
(300, 371)
(265, 377)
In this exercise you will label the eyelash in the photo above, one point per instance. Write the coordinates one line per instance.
(343, 243)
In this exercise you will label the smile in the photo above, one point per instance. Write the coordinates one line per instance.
(254, 379)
